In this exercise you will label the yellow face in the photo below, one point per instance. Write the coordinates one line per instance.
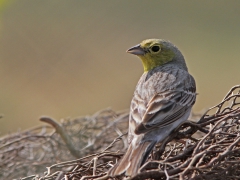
(153, 53)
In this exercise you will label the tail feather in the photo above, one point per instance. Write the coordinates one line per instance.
(132, 160)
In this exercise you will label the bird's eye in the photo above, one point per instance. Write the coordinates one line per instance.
(155, 49)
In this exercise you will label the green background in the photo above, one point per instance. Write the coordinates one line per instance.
(66, 58)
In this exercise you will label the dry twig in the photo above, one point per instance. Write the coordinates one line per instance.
(206, 149)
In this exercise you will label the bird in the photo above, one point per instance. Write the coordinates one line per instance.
(162, 101)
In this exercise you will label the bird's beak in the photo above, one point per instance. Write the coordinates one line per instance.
(136, 50)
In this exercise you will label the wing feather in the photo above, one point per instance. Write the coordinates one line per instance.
(166, 108)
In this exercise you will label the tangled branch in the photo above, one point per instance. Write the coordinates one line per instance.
(208, 148)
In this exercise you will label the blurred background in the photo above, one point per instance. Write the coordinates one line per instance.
(67, 58)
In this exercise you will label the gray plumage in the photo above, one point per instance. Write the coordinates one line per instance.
(162, 101)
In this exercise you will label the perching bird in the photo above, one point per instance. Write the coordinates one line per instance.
(162, 101)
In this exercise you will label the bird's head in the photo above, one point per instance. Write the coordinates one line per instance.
(155, 52)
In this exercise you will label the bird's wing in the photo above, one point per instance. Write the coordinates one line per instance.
(167, 107)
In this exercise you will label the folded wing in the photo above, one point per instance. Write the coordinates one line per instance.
(167, 107)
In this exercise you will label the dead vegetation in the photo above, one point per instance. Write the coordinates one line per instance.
(85, 148)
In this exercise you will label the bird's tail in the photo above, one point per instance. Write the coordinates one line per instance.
(132, 160)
